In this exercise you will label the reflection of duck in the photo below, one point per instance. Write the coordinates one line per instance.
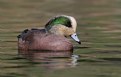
(52, 59)
(52, 37)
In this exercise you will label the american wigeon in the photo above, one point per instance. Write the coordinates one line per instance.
(53, 37)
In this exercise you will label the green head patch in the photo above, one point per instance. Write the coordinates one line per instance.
(59, 20)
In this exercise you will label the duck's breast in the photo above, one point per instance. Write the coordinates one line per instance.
(50, 42)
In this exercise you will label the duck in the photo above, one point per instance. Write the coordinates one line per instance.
(54, 37)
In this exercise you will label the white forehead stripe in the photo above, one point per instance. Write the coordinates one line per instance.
(73, 22)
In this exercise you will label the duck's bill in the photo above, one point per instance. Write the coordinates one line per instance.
(75, 37)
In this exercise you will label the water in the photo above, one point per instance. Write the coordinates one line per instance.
(51, 59)
(99, 29)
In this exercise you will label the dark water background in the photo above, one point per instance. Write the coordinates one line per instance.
(99, 28)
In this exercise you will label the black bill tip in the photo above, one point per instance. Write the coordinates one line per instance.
(79, 42)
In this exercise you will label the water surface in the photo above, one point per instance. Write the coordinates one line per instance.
(99, 29)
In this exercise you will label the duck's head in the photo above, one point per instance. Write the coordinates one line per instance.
(63, 25)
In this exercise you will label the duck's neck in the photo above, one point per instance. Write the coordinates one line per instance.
(61, 30)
